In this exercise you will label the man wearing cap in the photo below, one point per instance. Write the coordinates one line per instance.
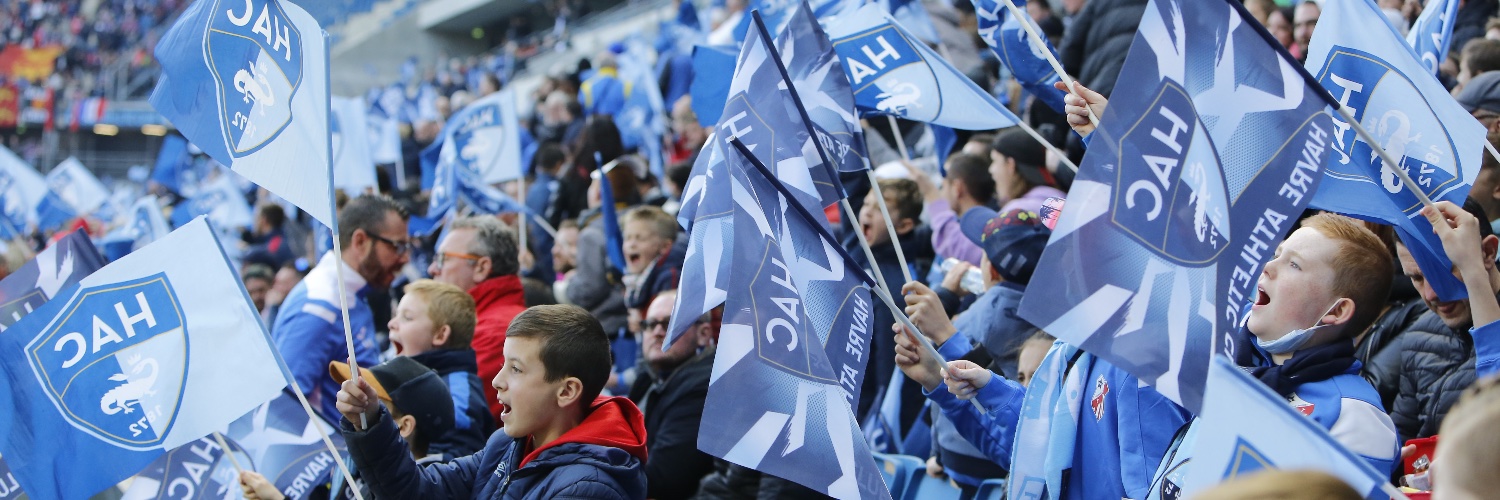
(1013, 242)
(1481, 98)
(418, 401)
(480, 256)
(1018, 164)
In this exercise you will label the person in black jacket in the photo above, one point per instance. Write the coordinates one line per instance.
(1437, 352)
(433, 325)
(671, 388)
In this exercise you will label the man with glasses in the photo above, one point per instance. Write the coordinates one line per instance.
(670, 390)
(479, 255)
(309, 328)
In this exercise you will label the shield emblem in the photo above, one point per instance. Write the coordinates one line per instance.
(114, 361)
(254, 53)
(1169, 190)
(889, 74)
(481, 140)
(1382, 98)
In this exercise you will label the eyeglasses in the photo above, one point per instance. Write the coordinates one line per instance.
(651, 324)
(443, 256)
(400, 247)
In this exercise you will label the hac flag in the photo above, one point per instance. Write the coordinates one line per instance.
(1202, 164)
(894, 73)
(485, 138)
(140, 226)
(815, 71)
(149, 353)
(1246, 428)
(1010, 42)
(1378, 79)
(1432, 34)
(278, 440)
(795, 342)
(248, 83)
(353, 167)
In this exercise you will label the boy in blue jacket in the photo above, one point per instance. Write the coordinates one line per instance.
(434, 325)
(560, 439)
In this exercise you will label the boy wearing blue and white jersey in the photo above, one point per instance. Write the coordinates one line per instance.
(309, 329)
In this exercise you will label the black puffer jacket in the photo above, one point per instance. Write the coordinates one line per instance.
(1437, 364)
(1095, 47)
(1380, 349)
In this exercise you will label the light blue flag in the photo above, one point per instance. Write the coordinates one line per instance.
(793, 350)
(912, 16)
(220, 201)
(1432, 35)
(140, 226)
(773, 12)
(385, 133)
(1245, 428)
(713, 69)
(894, 73)
(643, 120)
(248, 83)
(175, 168)
(21, 190)
(485, 138)
(77, 186)
(278, 440)
(1378, 79)
(149, 353)
(1010, 42)
(353, 166)
(1202, 164)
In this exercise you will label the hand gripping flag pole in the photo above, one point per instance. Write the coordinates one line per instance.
(885, 212)
(1036, 39)
(911, 329)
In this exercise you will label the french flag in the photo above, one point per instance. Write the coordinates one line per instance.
(88, 111)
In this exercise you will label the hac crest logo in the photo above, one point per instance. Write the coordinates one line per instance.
(255, 54)
(114, 361)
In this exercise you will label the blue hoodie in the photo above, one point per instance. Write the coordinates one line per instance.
(309, 331)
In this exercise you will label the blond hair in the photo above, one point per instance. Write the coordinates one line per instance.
(660, 222)
(1469, 452)
(1282, 485)
(450, 306)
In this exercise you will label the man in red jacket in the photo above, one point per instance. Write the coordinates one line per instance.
(479, 255)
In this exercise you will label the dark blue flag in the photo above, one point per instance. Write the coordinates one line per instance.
(614, 238)
(713, 69)
(823, 88)
(1204, 161)
(1008, 39)
(175, 168)
(793, 349)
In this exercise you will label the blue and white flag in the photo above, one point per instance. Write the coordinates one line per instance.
(824, 89)
(1245, 428)
(643, 120)
(353, 166)
(713, 69)
(1378, 79)
(793, 350)
(77, 186)
(1432, 34)
(763, 115)
(485, 138)
(21, 190)
(248, 83)
(1202, 164)
(1007, 38)
(176, 351)
(175, 168)
(219, 200)
(912, 16)
(277, 440)
(894, 73)
(61, 265)
(142, 224)
(385, 132)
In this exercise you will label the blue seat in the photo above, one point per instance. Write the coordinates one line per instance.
(899, 471)
(931, 488)
(991, 489)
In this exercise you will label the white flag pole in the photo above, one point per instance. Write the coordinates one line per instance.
(1041, 46)
(338, 248)
(1385, 156)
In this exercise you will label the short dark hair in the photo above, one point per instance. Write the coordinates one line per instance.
(548, 157)
(974, 171)
(679, 174)
(272, 213)
(1482, 55)
(492, 239)
(367, 212)
(258, 271)
(573, 345)
(904, 197)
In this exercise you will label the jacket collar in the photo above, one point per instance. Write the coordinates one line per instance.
(353, 282)
(500, 289)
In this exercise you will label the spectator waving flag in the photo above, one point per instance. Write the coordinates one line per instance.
(1007, 38)
(353, 167)
(1203, 163)
(21, 190)
(1377, 78)
(145, 355)
(142, 225)
(793, 348)
(278, 439)
(894, 73)
(761, 113)
(1432, 34)
(248, 83)
(1245, 428)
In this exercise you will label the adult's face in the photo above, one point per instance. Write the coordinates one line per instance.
(1305, 19)
(455, 263)
(385, 251)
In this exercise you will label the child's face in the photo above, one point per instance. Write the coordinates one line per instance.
(1030, 359)
(1296, 287)
(529, 401)
(872, 222)
(412, 331)
(642, 246)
